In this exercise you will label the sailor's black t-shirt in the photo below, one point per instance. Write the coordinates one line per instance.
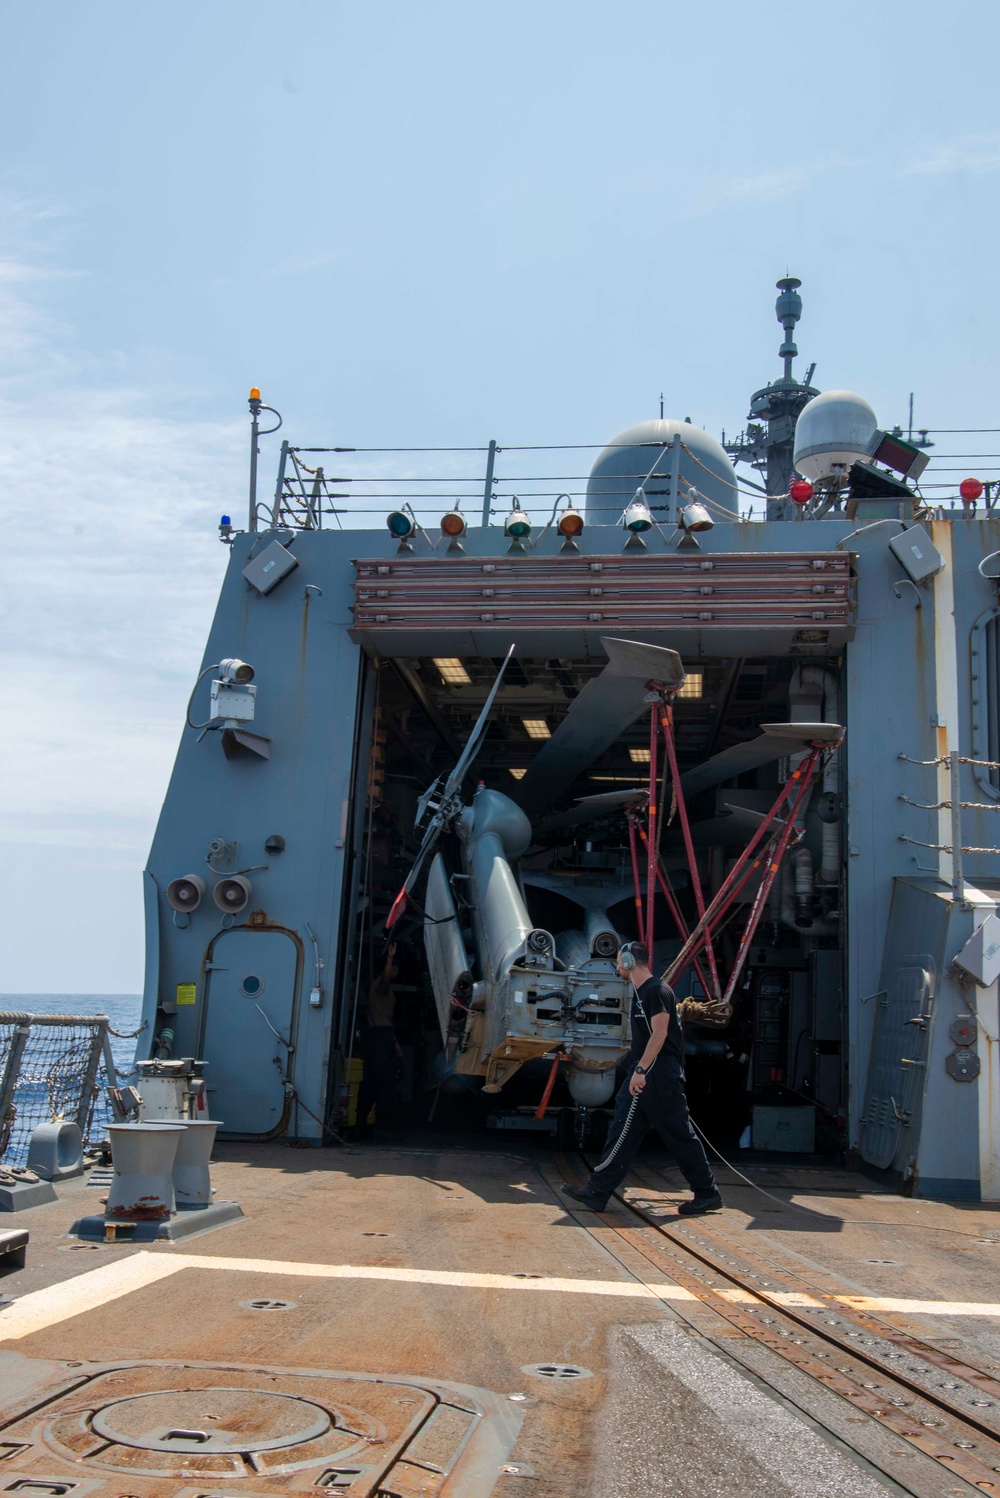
(653, 998)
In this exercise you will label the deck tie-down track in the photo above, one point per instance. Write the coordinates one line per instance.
(961, 1444)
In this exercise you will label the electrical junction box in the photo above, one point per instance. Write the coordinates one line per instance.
(234, 703)
(790, 1129)
(980, 957)
(917, 554)
(266, 571)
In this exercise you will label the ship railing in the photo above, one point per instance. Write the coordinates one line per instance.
(53, 1068)
(342, 486)
(954, 805)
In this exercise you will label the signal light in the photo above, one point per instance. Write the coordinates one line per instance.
(970, 489)
(232, 895)
(185, 894)
(399, 525)
(517, 524)
(695, 517)
(570, 523)
(800, 491)
(453, 524)
(637, 516)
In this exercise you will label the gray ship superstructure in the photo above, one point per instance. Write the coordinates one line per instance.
(345, 678)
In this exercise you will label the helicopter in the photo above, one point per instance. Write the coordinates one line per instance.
(509, 991)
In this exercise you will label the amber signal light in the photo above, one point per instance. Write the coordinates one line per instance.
(453, 523)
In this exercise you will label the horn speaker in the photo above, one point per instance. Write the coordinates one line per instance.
(232, 894)
(185, 893)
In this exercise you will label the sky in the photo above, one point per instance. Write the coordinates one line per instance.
(414, 226)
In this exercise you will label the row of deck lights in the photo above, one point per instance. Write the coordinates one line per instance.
(636, 518)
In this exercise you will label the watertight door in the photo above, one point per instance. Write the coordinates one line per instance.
(250, 995)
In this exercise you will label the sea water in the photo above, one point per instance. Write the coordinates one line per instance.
(122, 1009)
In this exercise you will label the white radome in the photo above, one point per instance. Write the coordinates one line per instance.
(833, 432)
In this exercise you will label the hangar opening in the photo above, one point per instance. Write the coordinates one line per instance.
(771, 1076)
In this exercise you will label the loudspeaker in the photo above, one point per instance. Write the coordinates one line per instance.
(232, 894)
(185, 893)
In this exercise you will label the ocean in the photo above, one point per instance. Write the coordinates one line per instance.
(122, 1009)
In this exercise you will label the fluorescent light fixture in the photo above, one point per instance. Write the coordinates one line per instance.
(452, 671)
(536, 728)
(692, 685)
(623, 779)
(519, 774)
(639, 756)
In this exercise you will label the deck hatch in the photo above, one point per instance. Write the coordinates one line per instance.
(223, 1429)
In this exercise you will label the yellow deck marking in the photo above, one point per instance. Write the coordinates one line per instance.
(85, 1292)
(97, 1287)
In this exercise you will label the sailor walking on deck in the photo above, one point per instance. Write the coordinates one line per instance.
(653, 1094)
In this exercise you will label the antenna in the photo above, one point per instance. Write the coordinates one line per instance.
(788, 310)
(661, 405)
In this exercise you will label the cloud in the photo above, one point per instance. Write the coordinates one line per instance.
(707, 195)
(112, 568)
(975, 154)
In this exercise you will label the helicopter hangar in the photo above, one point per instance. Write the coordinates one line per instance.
(855, 633)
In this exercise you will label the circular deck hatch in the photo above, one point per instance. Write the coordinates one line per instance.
(212, 1420)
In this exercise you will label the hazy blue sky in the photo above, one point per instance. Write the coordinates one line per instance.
(429, 224)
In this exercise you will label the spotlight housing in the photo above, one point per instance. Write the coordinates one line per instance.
(453, 524)
(694, 515)
(399, 525)
(517, 525)
(570, 524)
(637, 517)
(235, 672)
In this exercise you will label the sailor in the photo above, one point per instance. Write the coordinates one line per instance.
(380, 1051)
(652, 1094)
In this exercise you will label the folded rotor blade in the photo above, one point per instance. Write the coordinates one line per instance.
(427, 847)
(646, 663)
(591, 808)
(597, 717)
(475, 740)
(608, 705)
(775, 741)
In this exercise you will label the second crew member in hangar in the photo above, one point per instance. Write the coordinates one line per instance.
(651, 1096)
(380, 1052)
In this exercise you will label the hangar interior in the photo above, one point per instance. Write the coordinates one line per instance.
(773, 1079)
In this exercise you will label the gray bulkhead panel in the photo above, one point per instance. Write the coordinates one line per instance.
(307, 668)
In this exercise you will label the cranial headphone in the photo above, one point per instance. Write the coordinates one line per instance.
(627, 958)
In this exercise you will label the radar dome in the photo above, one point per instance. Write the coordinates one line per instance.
(626, 462)
(832, 432)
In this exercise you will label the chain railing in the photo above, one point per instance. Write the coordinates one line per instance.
(955, 805)
(52, 1067)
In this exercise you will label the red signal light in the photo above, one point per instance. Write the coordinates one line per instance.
(970, 489)
(800, 491)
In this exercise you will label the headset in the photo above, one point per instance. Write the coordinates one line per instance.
(627, 958)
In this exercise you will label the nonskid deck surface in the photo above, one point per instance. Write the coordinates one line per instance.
(369, 1324)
